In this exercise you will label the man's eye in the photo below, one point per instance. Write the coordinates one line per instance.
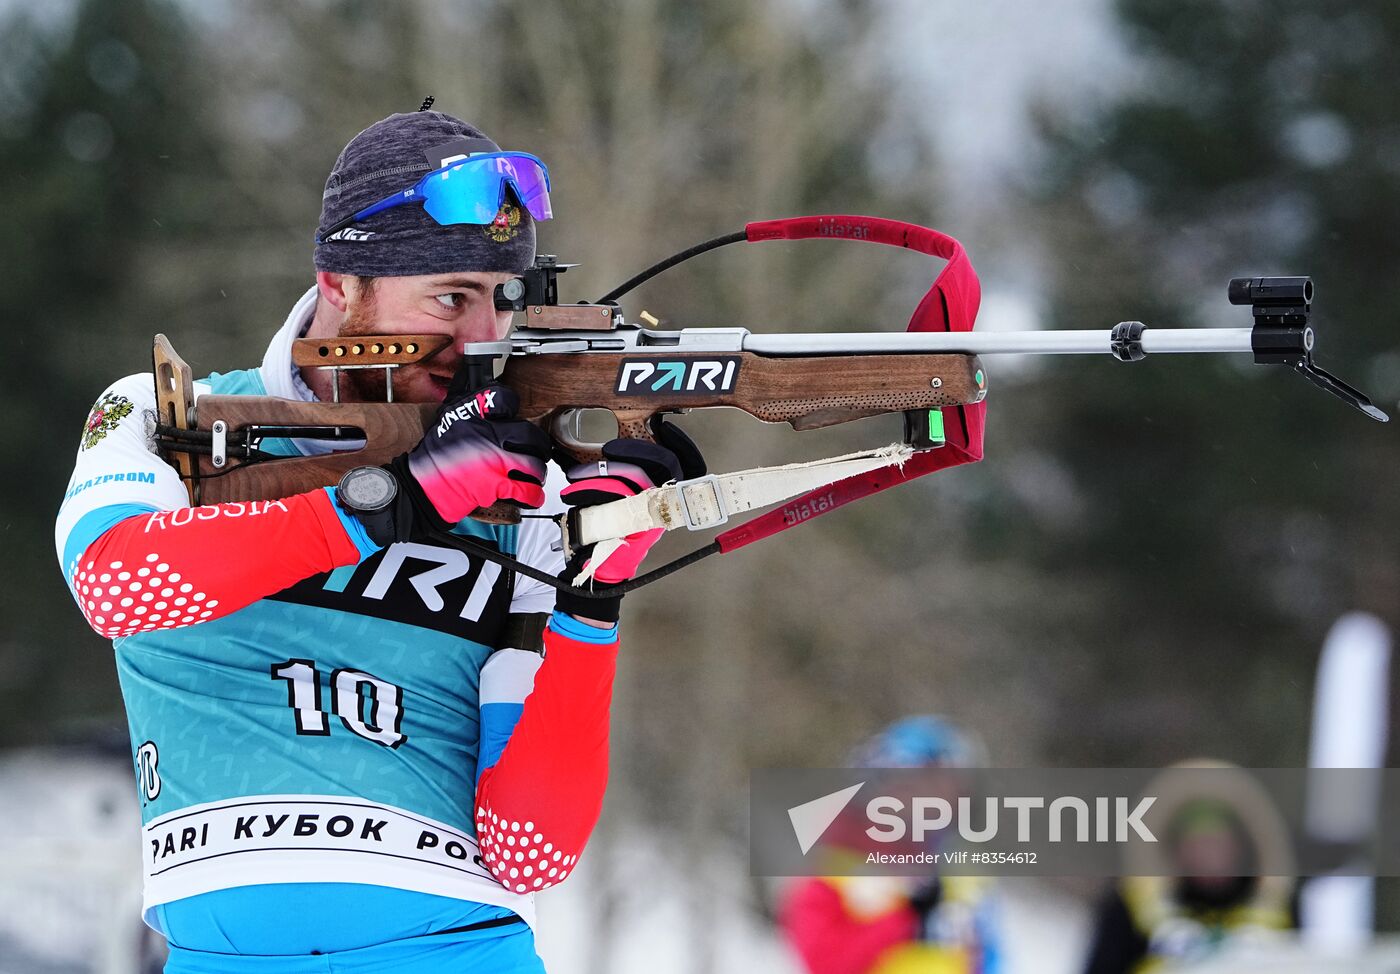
(454, 300)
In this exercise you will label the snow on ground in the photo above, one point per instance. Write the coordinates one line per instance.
(655, 927)
(70, 896)
(70, 868)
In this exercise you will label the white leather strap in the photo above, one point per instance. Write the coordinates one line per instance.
(707, 502)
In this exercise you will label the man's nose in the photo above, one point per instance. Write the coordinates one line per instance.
(484, 324)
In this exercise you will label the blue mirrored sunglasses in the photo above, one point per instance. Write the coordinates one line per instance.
(469, 191)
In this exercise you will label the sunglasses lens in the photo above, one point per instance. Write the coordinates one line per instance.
(471, 192)
(531, 182)
(468, 193)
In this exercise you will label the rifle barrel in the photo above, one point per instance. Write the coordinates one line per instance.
(1085, 342)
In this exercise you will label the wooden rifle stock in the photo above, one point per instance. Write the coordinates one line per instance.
(388, 429)
(807, 392)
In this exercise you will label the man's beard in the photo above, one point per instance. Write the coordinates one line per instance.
(366, 385)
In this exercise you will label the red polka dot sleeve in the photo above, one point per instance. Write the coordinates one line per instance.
(537, 805)
(179, 568)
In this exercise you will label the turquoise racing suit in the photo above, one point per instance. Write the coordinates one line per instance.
(343, 763)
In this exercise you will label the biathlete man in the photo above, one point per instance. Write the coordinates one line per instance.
(353, 754)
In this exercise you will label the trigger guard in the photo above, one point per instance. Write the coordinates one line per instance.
(563, 429)
(631, 424)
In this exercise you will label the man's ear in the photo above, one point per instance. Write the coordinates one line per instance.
(336, 289)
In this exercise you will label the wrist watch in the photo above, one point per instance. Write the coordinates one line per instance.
(369, 494)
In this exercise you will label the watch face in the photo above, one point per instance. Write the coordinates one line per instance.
(368, 488)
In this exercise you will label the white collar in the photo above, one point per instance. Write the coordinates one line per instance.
(280, 377)
(283, 379)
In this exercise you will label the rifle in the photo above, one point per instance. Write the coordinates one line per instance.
(572, 357)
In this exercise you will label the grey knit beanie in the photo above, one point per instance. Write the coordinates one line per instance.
(391, 155)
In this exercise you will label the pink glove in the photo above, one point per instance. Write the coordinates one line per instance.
(628, 467)
(477, 453)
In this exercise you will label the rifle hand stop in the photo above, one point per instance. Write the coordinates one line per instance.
(1283, 336)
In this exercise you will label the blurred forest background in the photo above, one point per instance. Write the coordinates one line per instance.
(1142, 569)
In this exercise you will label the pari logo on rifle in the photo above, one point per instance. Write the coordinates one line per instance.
(653, 376)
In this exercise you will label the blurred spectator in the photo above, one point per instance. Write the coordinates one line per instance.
(1217, 847)
(925, 924)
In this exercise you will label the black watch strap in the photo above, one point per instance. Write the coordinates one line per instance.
(379, 512)
(381, 526)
